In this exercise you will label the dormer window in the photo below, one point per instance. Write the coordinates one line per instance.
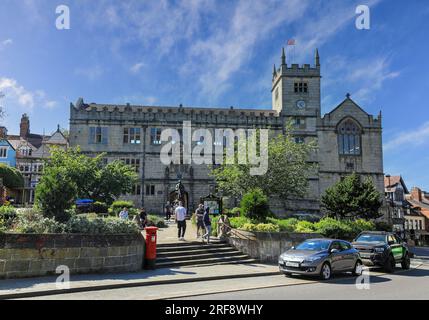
(349, 141)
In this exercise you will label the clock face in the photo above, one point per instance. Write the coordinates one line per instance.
(300, 104)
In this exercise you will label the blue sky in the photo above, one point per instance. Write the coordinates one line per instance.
(219, 53)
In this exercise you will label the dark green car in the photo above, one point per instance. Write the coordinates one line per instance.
(384, 249)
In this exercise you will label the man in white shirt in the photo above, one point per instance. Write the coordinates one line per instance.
(180, 214)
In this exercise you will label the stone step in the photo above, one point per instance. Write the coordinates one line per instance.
(203, 250)
(188, 243)
(208, 255)
(194, 246)
(206, 261)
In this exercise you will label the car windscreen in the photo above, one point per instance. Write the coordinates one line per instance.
(314, 245)
(371, 238)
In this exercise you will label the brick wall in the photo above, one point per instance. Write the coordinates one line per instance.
(30, 255)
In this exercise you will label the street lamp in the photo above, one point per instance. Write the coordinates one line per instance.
(389, 215)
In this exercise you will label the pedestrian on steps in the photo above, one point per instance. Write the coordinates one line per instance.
(207, 224)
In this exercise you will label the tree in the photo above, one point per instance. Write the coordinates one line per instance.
(286, 177)
(254, 205)
(352, 197)
(69, 175)
(11, 177)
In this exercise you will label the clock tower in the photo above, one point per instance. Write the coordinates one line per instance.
(296, 90)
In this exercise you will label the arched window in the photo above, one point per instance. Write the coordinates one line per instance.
(349, 138)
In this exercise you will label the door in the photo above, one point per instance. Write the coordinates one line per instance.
(396, 247)
(337, 262)
(348, 255)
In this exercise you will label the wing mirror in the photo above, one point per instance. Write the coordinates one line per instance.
(334, 251)
(292, 248)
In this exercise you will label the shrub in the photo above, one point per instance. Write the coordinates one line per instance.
(81, 224)
(214, 222)
(267, 227)
(360, 225)
(285, 225)
(248, 227)
(254, 205)
(156, 221)
(238, 222)
(99, 207)
(333, 228)
(11, 176)
(304, 226)
(117, 206)
(7, 216)
(234, 212)
(36, 223)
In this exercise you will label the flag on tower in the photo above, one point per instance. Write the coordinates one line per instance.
(291, 42)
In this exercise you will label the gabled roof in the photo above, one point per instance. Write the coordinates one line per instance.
(348, 102)
(394, 182)
(8, 142)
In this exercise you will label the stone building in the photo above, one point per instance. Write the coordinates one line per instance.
(348, 138)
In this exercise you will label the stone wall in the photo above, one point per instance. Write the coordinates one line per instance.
(30, 255)
(267, 246)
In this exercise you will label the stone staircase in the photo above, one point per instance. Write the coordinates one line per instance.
(179, 254)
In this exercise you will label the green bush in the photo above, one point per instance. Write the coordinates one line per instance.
(304, 226)
(214, 222)
(7, 217)
(117, 207)
(99, 207)
(81, 224)
(333, 228)
(285, 225)
(254, 205)
(11, 176)
(35, 223)
(360, 225)
(156, 221)
(248, 227)
(238, 222)
(267, 227)
(234, 212)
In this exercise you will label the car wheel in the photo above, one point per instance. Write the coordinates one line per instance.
(357, 271)
(389, 266)
(405, 264)
(325, 272)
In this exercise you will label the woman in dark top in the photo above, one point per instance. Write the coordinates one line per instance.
(207, 224)
(143, 217)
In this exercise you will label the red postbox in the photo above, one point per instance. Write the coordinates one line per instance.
(150, 255)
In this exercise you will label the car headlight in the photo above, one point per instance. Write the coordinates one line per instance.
(312, 259)
(379, 249)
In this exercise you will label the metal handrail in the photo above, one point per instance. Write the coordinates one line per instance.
(232, 230)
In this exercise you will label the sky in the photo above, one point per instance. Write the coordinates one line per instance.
(219, 53)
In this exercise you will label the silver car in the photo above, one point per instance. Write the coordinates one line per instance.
(321, 257)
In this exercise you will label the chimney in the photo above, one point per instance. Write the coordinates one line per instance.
(24, 127)
(3, 133)
(416, 194)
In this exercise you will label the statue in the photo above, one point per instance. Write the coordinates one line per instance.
(180, 190)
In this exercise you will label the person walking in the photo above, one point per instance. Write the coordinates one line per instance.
(207, 224)
(168, 210)
(199, 214)
(143, 218)
(124, 214)
(180, 215)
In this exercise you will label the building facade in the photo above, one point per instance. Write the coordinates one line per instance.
(348, 138)
(31, 152)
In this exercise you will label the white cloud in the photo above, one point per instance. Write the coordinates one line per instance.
(414, 137)
(230, 47)
(137, 67)
(16, 95)
(5, 43)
